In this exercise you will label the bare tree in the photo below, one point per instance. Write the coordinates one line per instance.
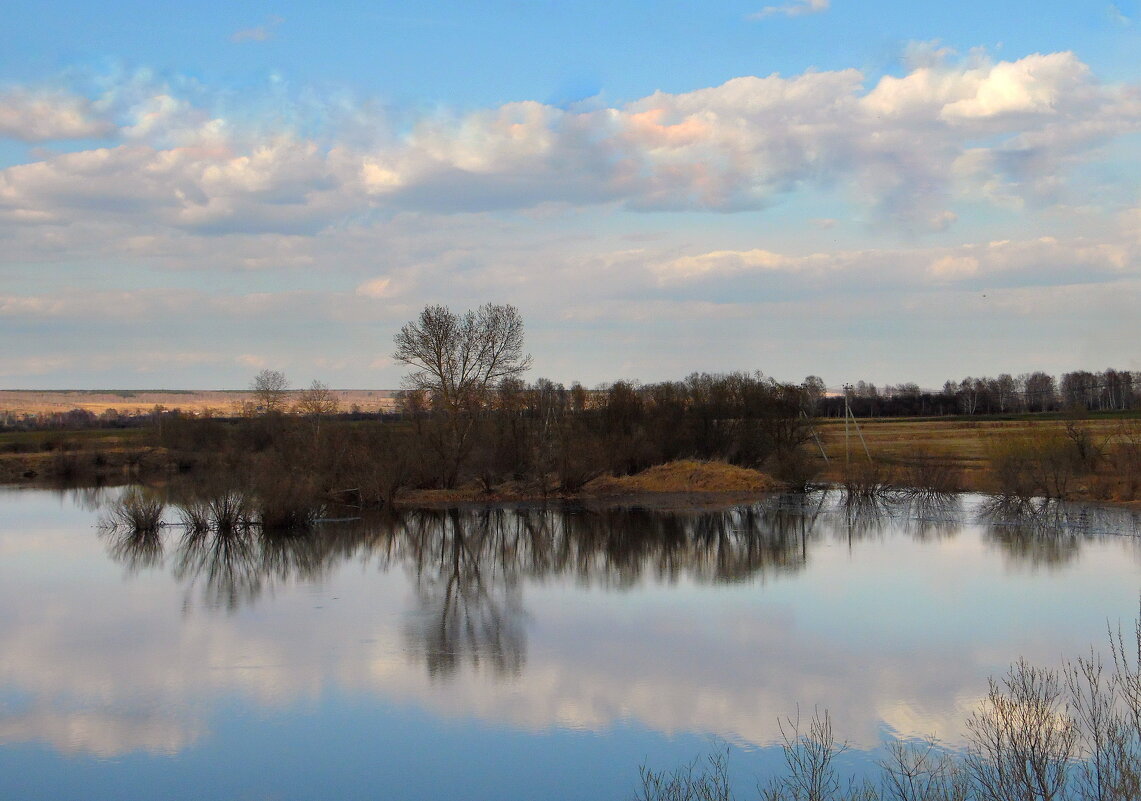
(456, 361)
(1022, 740)
(317, 401)
(922, 771)
(270, 389)
(810, 758)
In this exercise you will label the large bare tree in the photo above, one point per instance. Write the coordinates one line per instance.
(457, 360)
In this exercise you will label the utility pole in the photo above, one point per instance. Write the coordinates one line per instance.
(849, 416)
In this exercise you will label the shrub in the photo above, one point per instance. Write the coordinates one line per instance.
(137, 512)
(1044, 463)
(929, 472)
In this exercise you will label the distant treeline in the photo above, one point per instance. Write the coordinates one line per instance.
(79, 419)
(1110, 390)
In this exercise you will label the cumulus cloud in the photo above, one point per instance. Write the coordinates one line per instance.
(1037, 84)
(797, 8)
(906, 149)
(281, 185)
(45, 116)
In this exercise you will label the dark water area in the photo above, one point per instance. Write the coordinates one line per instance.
(518, 653)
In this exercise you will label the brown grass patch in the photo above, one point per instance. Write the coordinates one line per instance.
(920, 450)
(685, 476)
(216, 402)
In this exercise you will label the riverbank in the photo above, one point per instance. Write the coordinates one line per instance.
(1097, 458)
(675, 485)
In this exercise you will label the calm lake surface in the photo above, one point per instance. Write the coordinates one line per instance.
(518, 653)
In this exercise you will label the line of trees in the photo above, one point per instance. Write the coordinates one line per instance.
(546, 432)
(466, 415)
(1109, 390)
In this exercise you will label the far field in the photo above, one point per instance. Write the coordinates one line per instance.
(17, 402)
(960, 442)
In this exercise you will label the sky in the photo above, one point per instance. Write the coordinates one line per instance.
(882, 191)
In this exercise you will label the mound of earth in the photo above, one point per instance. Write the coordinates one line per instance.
(686, 476)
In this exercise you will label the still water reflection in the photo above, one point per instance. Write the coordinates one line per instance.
(499, 652)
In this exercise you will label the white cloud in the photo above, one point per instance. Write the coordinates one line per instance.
(907, 150)
(1037, 84)
(797, 8)
(723, 262)
(1051, 84)
(377, 288)
(954, 267)
(44, 116)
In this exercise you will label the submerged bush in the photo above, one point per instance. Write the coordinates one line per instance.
(928, 472)
(1045, 463)
(137, 512)
(229, 511)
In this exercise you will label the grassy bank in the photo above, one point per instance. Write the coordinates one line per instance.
(1096, 457)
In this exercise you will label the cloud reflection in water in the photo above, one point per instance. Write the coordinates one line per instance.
(890, 614)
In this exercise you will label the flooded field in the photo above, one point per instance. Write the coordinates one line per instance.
(519, 653)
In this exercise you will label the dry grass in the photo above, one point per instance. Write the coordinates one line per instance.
(219, 402)
(685, 476)
(713, 481)
(965, 448)
(965, 444)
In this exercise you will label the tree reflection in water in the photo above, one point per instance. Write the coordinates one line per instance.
(1043, 532)
(228, 563)
(922, 514)
(468, 566)
(135, 550)
(91, 498)
(468, 605)
(932, 515)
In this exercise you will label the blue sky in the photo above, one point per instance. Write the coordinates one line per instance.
(880, 190)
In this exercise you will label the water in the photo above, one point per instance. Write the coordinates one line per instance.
(519, 653)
